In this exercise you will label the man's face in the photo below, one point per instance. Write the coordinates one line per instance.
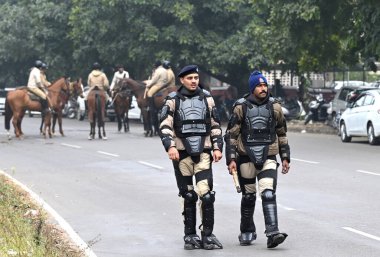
(121, 70)
(261, 91)
(190, 81)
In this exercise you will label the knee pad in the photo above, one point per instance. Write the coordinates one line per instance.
(268, 195)
(208, 199)
(248, 200)
(190, 197)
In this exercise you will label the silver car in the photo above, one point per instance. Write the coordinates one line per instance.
(362, 118)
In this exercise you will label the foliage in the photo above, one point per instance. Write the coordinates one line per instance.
(226, 38)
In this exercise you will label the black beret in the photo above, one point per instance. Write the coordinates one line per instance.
(188, 70)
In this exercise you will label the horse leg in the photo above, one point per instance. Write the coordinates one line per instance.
(48, 124)
(119, 122)
(15, 123)
(42, 132)
(126, 123)
(92, 131)
(104, 132)
(155, 122)
(60, 123)
(54, 122)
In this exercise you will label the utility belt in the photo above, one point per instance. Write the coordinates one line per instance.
(245, 158)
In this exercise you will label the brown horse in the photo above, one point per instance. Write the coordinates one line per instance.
(96, 101)
(75, 90)
(19, 100)
(122, 101)
(150, 120)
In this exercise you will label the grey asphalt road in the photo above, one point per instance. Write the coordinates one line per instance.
(120, 195)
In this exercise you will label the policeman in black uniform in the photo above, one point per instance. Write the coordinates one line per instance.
(256, 133)
(191, 134)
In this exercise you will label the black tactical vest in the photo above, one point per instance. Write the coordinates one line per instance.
(192, 122)
(258, 130)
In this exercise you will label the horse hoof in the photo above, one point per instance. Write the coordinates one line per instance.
(89, 137)
(104, 138)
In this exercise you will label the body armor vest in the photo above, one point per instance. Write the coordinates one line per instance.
(258, 130)
(192, 122)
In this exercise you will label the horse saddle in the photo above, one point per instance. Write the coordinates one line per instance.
(32, 96)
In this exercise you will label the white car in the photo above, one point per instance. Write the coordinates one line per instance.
(3, 95)
(134, 114)
(362, 118)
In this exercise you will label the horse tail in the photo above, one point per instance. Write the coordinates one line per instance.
(8, 115)
(98, 109)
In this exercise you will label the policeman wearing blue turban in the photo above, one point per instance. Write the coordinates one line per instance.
(256, 134)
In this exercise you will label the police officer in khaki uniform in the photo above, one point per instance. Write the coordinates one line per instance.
(97, 78)
(256, 133)
(35, 85)
(191, 134)
(44, 80)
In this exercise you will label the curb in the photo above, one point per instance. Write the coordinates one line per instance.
(61, 222)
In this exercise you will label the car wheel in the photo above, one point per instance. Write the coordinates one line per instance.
(371, 135)
(343, 133)
(71, 114)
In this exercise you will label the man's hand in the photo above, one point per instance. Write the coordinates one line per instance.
(173, 154)
(285, 166)
(217, 155)
(232, 167)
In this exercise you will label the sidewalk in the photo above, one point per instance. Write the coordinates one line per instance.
(315, 127)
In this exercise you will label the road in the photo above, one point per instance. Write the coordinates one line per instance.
(120, 195)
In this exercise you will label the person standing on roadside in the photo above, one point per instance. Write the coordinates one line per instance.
(191, 134)
(255, 134)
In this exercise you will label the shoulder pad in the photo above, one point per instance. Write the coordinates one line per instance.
(275, 100)
(171, 95)
(207, 93)
(239, 101)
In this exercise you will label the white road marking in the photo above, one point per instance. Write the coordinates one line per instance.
(151, 165)
(312, 162)
(109, 154)
(368, 172)
(362, 233)
(62, 222)
(286, 208)
(72, 146)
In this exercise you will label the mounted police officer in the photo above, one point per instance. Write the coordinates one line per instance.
(162, 77)
(36, 86)
(191, 134)
(117, 77)
(97, 78)
(256, 133)
(44, 81)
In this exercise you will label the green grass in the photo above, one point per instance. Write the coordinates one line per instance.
(25, 230)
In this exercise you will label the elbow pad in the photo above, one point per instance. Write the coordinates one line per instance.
(285, 152)
(215, 114)
(219, 141)
(230, 149)
(166, 141)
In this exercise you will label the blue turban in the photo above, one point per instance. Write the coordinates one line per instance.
(256, 79)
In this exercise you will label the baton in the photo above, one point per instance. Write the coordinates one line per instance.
(236, 181)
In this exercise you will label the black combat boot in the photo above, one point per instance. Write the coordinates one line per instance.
(275, 237)
(209, 240)
(247, 226)
(192, 240)
(44, 106)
